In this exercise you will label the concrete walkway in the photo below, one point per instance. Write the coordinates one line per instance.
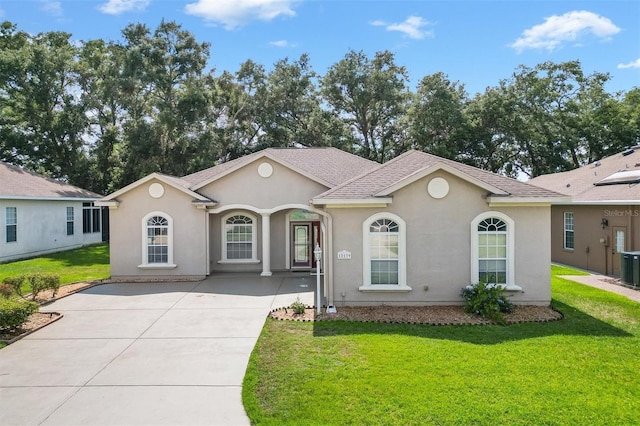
(144, 354)
(600, 281)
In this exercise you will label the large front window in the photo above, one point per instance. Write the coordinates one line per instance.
(492, 251)
(383, 244)
(384, 268)
(239, 242)
(157, 240)
(90, 218)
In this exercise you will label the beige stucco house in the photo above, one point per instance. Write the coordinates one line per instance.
(600, 216)
(412, 231)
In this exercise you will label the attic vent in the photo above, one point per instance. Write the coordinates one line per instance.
(618, 178)
(627, 152)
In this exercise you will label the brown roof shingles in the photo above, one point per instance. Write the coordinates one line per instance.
(580, 183)
(405, 165)
(17, 182)
(329, 165)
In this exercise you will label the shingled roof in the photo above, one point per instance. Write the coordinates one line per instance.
(19, 183)
(330, 166)
(372, 183)
(580, 183)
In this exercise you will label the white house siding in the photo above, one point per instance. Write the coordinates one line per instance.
(42, 228)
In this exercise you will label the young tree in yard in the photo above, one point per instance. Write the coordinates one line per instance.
(370, 96)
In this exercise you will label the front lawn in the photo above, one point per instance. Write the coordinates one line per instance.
(83, 264)
(582, 369)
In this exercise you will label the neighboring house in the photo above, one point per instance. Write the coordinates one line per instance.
(39, 215)
(602, 216)
(412, 231)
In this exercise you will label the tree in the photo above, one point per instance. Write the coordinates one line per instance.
(370, 96)
(437, 123)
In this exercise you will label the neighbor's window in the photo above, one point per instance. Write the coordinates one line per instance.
(12, 224)
(239, 238)
(157, 240)
(70, 218)
(492, 251)
(568, 230)
(90, 218)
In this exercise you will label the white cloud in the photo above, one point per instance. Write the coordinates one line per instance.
(279, 43)
(53, 8)
(412, 27)
(634, 64)
(116, 7)
(235, 13)
(558, 30)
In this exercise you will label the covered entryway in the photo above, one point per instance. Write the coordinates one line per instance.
(305, 231)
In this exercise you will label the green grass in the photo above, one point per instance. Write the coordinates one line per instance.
(565, 270)
(582, 369)
(83, 264)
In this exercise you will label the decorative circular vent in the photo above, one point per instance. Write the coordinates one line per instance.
(265, 170)
(156, 190)
(438, 188)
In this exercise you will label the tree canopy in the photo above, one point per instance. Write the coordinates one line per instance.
(101, 114)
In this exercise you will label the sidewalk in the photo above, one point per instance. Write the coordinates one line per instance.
(600, 281)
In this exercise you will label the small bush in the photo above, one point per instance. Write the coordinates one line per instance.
(486, 300)
(41, 282)
(6, 290)
(298, 307)
(14, 313)
(16, 284)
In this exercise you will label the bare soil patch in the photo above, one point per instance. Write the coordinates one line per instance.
(434, 315)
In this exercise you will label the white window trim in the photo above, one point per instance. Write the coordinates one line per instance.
(254, 238)
(402, 256)
(7, 224)
(145, 258)
(511, 232)
(564, 233)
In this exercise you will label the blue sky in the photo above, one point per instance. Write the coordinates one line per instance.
(476, 42)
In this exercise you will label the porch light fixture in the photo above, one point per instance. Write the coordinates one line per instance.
(604, 222)
(318, 254)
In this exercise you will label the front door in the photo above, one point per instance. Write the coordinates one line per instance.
(305, 236)
(619, 234)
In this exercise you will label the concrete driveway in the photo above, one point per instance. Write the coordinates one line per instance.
(144, 354)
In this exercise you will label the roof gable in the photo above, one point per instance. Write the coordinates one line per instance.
(327, 166)
(18, 183)
(172, 181)
(414, 165)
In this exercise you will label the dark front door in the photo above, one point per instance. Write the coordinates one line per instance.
(304, 237)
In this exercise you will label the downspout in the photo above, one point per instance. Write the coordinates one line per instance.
(328, 260)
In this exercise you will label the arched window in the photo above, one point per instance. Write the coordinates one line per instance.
(157, 240)
(239, 237)
(492, 249)
(384, 253)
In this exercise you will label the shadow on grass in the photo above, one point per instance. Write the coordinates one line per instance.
(86, 256)
(574, 323)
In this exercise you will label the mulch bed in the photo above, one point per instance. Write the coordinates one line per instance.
(41, 319)
(433, 315)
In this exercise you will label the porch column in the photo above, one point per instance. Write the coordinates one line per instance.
(266, 245)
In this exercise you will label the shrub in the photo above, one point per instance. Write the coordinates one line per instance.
(41, 282)
(6, 290)
(16, 284)
(14, 313)
(486, 300)
(298, 307)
